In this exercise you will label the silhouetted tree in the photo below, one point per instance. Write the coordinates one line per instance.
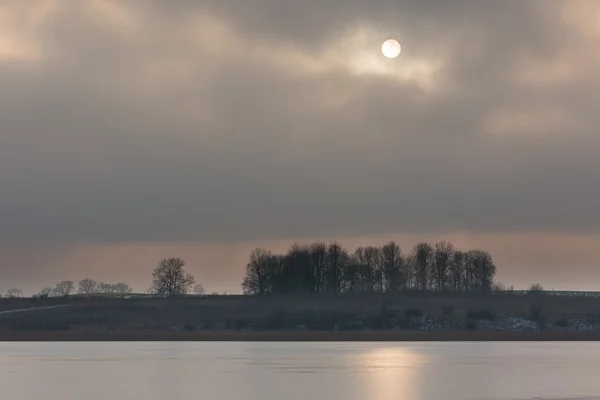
(480, 270)
(199, 289)
(372, 276)
(14, 293)
(169, 278)
(423, 260)
(318, 257)
(443, 257)
(115, 288)
(88, 286)
(45, 292)
(121, 288)
(457, 270)
(297, 275)
(260, 273)
(64, 288)
(336, 260)
(535, 288)
(392, 267)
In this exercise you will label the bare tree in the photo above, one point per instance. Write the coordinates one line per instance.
(337, 259)
(106, 287)
(88, 286)
(170, 278)
(318, 254)
(457, 270)
(259, 274)
(45, 292)
(443, 257)
(14, 293)
(199, 289)
(423, 260)
(367, 259)
(535, 288)
(499, 287)
(121, 288)
(392, 261)
(480, 270)
(298, 272)
(64, 288)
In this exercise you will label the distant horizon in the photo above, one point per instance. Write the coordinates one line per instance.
(236, 289)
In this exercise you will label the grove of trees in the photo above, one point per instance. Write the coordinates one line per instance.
(90, 286)
(84, 286)
(329, 268)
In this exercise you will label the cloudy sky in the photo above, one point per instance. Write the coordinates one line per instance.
(141, 129)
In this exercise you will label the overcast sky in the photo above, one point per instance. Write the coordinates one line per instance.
(135, 130)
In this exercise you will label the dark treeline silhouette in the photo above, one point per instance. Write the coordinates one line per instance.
(90, 286)
(329, 268)
(168, 279)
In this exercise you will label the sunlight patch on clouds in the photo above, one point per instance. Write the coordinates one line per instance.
(358, 53)
(115, 14)
(583, 15)
(530, 122)
(215, 37)
(543, 73)
(18, 30)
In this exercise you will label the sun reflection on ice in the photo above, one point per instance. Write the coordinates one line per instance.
(391, 372)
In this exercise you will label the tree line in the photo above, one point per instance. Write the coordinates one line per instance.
(168, 279)
(329, 268)
(66, 288)
(84, 286)
(323, 268)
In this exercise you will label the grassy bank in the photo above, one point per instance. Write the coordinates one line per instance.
(406, 316)
(307, 336)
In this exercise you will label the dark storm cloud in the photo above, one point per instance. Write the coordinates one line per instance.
(230, 120)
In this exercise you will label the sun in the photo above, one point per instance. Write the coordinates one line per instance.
(391, 48)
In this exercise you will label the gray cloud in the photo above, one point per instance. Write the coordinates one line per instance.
(245, 120)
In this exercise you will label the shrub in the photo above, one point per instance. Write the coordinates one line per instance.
(482, 314)
(535, 289)
(537, 315)
(413, 312)
(277, 319)
(308, 317)
(562, 322)
(241, 324)
(375, 322)
(447, 310)
(322, 320)
(536, 311)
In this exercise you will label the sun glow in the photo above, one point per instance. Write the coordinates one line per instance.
(391, 48)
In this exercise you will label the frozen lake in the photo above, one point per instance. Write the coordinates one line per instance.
(299, 371)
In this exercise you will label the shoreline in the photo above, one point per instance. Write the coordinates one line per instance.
(306, 336)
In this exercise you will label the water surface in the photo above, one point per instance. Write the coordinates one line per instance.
(299, 371)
